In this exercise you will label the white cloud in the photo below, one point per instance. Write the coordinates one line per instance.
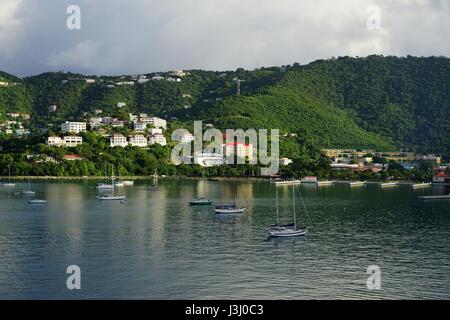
(120, 36)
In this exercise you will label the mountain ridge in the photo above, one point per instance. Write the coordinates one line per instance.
(375, 101)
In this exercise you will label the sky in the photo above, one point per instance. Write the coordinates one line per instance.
(141, 36)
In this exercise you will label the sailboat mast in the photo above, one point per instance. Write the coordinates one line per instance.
(278, 213)
(112, 179)
(9, 172)
(293, 201)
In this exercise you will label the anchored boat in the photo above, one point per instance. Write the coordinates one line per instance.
(112, 196)
(289, 230)
(8, 184)
(37, 201)
(200, 202)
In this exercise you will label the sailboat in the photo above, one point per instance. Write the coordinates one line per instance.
(29, 191)
(8, 184)
(155, 186)
(119, 183)
(230, 208)
(105, 186)
(202, 201)
(112, 196)
(37, 201)
(290, 230)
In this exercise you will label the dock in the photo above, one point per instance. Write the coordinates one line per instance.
(324, 183)
(356, 183)
(388, 184)
(287, 182)
(443, 197)
(421, 185)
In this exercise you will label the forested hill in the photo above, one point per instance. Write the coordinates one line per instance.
(382, 102)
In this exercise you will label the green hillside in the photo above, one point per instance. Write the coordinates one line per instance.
(381, 102)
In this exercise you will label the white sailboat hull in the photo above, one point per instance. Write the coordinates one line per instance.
(36, 201)
(27, 192)
(287, 232)
(128, 183)
(7, 185)
(229, 211)
(111, 198)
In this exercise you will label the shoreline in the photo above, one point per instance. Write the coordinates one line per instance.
(94, 178)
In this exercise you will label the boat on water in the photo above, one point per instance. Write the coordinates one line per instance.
(112, 196)
(442, 197)
(229, 209)
(154, 187)
(37, 201)
(288, 230)
(200, 202)
(29, 192)
(8, 184)
(106, 185)
(128, 183)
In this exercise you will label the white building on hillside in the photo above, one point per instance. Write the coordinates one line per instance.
(55, 141)
(157, 138)
(153, 131)
(138, 140)
(95, 123)
(140, 126)
(185, 137)
(118, 140)
(209, 159)
(72, 141)
(158, 123)
(75, 127)
(285, 161)
(240, 150)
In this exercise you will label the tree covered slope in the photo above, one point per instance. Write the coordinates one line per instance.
(381, 102)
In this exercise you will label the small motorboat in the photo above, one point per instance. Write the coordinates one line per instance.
(154, 188)
(128, 183)
(37, 201)
(119, 184)
(200, 202)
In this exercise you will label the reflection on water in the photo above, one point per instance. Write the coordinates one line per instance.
(155, 246)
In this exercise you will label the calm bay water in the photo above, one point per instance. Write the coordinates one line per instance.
(154, 246)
